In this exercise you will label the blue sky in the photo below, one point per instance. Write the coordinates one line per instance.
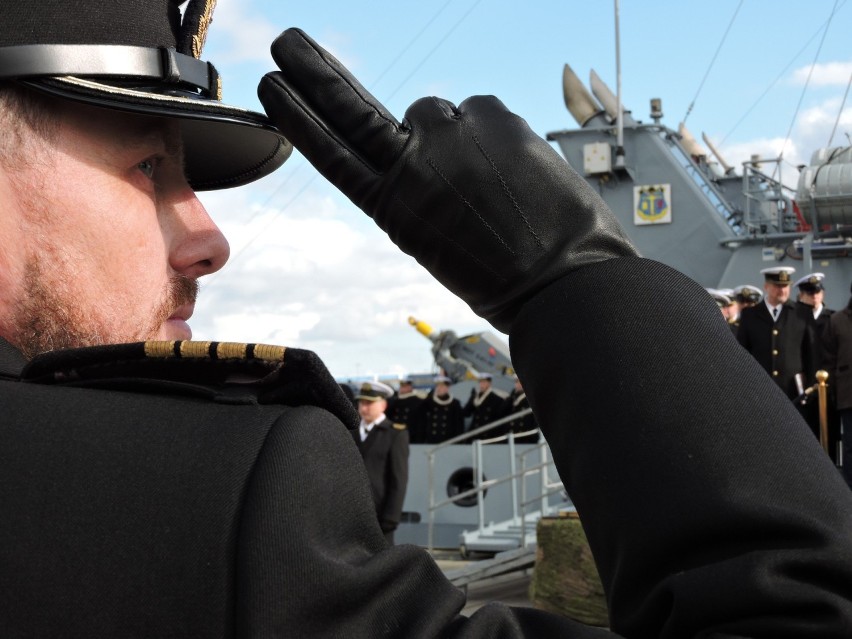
(309, 270)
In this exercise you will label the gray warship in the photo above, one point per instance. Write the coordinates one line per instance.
(682, 204)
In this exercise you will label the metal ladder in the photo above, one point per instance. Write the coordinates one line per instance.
(531, 500)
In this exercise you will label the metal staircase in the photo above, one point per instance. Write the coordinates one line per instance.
(535, 489)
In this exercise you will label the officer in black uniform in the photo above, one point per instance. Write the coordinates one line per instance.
(514, 403)
(384, 447)
(484, 405)
(775, 334)
(439, 416)
(815, 315)
(168, 488)
(747, 295)
(726, 308)
(809, 302)
(402, 408)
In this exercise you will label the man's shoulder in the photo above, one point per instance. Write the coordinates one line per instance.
(218, 372)
(750, 314)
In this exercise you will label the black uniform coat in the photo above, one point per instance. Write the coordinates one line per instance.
(140, 508)
(810, 410)
(402, 410)
(438, 419)
(781, 347)
(837, 360)
(515, 403)
(483, 409)
(385, 453)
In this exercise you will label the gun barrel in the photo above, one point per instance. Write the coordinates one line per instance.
(422, 327)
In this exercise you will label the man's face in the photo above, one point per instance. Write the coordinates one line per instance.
(370, 411)
(812, 299)
(106, 239)
(776, 293)
(484, 385)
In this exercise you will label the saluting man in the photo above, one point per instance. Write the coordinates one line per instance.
(747, 295)
(726, 306)
(775, 334)
(384, 447)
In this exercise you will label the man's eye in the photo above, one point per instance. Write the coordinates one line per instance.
(147, 167)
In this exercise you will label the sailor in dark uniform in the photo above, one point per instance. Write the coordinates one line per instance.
(402, 408)
(775, 334)
(726, 308)
(439, 416)
(515, 402)
(170, 488)
(747, 295)
(810, 300)
(484, 405)
(384, 447)
(810, 307)
(744, 296)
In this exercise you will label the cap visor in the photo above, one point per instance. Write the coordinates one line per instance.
(224, 146)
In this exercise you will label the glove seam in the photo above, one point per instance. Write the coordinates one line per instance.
(468, 205)
(451, 240)
(506, 190)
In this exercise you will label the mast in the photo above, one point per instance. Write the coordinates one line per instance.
(619, 149)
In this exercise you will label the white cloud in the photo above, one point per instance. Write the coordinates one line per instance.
(318, 274)
(812, 131)
(828, 74)
(243, 34)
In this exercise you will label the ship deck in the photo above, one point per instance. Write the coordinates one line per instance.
(511, 589)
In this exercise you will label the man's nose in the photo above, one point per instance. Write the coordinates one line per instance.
(199, 247)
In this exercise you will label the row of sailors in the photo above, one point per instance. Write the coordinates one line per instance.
(791, 341)
(437, 416)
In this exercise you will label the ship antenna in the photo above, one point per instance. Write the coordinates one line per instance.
(804, 89)
(619, 148)
(712, 62)
(840, 111)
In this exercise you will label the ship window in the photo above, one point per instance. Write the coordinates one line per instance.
(461, 481)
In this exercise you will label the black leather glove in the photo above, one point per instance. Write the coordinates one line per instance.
(486, 205)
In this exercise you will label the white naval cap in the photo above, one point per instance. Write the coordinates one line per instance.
(372, 391)
(811, 283)
(747, 293)
(721, 299)
(778, 274)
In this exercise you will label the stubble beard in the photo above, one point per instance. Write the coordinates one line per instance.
(49, 318)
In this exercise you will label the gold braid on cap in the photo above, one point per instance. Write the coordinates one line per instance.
(204, 21)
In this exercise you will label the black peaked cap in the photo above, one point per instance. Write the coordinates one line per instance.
(141, 56)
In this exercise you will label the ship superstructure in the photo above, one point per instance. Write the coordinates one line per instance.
(687, 207)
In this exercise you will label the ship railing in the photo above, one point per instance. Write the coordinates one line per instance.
(766, 200)
(724, 209)
(516, 478)
(547, 486)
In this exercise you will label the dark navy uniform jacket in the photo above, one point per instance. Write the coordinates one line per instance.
(222, 495)
(489, 409)
(401, 410)
(782, 347)
(385, 453)
(438, 421)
